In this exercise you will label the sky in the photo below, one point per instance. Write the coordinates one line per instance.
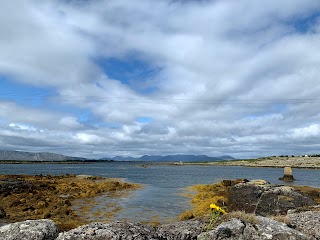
(105, 78)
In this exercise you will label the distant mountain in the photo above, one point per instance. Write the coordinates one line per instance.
(172, 158)
(42, 156)
(118, 158)
(45, 156)
(150, 158)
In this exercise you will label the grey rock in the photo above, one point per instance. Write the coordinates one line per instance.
(266, 229)
(185, 230)
(278, 200)
(245, 196)
(2, 213)
(31, 229)
(234, 229)
(314, 208)
(306, 222)
(265, 199)
(112, 230)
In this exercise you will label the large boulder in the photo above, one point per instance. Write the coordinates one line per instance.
(30, 229)
(307, 222)
(264, 229)
(264, 199)
(112, 230)
(184, 230)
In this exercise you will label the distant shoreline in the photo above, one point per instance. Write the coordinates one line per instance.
(268, 162)
(272, 162)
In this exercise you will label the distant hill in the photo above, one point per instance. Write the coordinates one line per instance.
(42, 156)
(172, 158)
(45, 156)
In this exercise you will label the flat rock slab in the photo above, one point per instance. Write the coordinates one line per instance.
(112, 231)
(31, 229)
(185, 230)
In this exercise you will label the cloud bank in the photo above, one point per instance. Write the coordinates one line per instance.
(117, 77)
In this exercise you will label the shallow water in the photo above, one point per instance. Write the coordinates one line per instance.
(161, 199)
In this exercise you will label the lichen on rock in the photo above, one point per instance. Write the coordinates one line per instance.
(112, 230)
(237, 229)
(31, 229)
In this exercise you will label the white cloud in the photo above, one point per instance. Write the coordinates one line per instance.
(88, 138)
(233, 77)
(22, 127)
(70, 122)
(310, 131)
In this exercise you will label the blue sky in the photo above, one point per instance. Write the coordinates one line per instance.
(118, 77)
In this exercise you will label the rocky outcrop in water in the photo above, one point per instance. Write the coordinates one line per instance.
(287, 175)
(263, 199)
(30, 229)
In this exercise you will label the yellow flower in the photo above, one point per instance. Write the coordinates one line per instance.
(222, 211)
(213, 206)
(217, 208)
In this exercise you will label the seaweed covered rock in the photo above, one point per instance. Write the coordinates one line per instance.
(2, 213)
(185, 230)
(265, 199)
(112, 230)
(11, 186)
(25, 197)
(30, 229)
(266, 228)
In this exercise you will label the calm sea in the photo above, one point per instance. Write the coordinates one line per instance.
(161, 198)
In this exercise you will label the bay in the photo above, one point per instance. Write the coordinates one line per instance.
(162, 196)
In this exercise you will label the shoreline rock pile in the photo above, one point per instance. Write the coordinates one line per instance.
(301, 226)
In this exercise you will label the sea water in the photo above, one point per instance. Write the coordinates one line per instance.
(162, 197)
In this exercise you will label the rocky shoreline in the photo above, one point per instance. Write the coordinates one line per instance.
(276, 162)
(257, 210)
(298, 226)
